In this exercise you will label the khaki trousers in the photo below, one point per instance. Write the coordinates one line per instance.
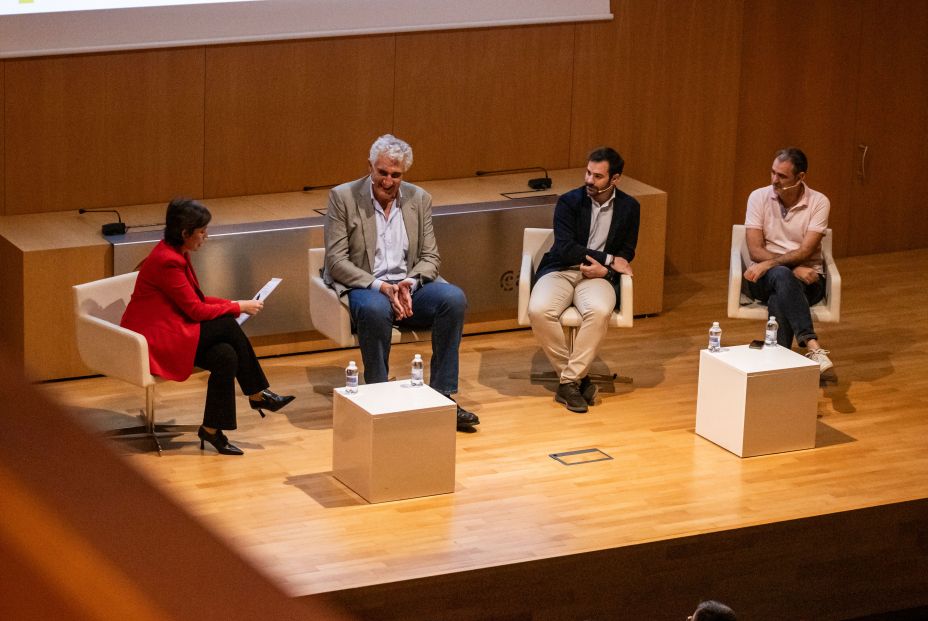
(551, 296)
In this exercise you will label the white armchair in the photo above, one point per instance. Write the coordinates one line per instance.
(535, 242)
(330, 315)
(112, 350)
(742, 306)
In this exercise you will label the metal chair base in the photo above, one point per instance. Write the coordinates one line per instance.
(149, 427)
(551, 376)
(142, 431)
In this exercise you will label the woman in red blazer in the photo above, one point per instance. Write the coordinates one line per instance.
(184, 328)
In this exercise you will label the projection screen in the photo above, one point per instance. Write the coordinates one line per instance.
(46, 27)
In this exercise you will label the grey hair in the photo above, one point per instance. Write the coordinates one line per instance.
(796, 157)
(395, 149)
(712, 610)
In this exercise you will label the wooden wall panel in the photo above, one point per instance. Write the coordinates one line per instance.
(283, 115)
(892, 120)
(2, 134)
(484, 99)
(103, 129)
(660, 84)
(798, 88)
(696, 94)
(48, 329)
(13, 287)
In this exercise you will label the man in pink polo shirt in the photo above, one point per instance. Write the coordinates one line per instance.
(784, 227)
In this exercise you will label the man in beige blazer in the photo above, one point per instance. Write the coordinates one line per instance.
(380, 252)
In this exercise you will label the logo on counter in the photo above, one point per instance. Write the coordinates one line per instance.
(508, 281)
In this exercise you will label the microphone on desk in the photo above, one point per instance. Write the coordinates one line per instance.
(113, 228)
(539, 183)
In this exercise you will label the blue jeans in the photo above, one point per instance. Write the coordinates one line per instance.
(788, 299)
(436, 305)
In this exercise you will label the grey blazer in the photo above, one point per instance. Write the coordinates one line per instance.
(351, 235)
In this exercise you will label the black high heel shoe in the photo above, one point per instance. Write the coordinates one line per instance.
(219, 441)
(270, 401)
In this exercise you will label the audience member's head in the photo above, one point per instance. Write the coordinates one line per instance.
(796, 157)
(183, 217)
(608, 154)
(393, 149)
(711, 610)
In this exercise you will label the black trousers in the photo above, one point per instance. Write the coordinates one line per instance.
(226, 353)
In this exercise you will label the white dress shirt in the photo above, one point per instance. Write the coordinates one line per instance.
(600, 221)
(392, 244)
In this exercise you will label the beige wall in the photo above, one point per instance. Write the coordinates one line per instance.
(697, 94)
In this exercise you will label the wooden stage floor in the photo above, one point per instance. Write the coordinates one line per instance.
(671, 519)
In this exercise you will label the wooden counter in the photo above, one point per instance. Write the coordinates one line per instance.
(43, 255)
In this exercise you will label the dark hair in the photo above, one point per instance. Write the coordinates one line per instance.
(711, 610)
(796, 157)
(608, 154)
(184, 216)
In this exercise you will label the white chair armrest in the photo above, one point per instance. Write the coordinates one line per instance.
(112, 350)
(525, 288)
(832, 288)
(329, 316)
(625, 317)
(735, 274)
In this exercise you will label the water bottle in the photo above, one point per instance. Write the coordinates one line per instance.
(715, 337)
(351, 378)
(770, 335)
(417, 371)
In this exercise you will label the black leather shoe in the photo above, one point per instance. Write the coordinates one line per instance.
(588, 390)
(467, 420)
(270, 401)
(219, 441)
(569, 395)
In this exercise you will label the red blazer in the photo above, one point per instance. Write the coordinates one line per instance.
(167, 307)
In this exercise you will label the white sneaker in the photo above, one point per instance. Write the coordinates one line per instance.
(821, 357)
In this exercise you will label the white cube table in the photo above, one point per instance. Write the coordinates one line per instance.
(394, 441)
(757, 401)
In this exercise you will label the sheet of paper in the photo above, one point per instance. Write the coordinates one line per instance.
(263, 294)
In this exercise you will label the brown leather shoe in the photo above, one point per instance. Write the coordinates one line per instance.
(467, 420)
(588, 390)
(569, 395)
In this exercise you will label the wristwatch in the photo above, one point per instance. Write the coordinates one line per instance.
(611, 275)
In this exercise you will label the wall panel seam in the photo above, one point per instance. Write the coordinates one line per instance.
(203, 149)
(573, 90)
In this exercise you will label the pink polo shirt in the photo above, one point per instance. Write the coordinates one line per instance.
(784, 234)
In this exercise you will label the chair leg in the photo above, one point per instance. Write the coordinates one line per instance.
(597, 378)
(150, 408)
(149, 428)
(548, 376)
(138, 430)
(551, 376)
(156, 430)
(150, 416)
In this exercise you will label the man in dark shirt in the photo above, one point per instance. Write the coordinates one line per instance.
(595, 234)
